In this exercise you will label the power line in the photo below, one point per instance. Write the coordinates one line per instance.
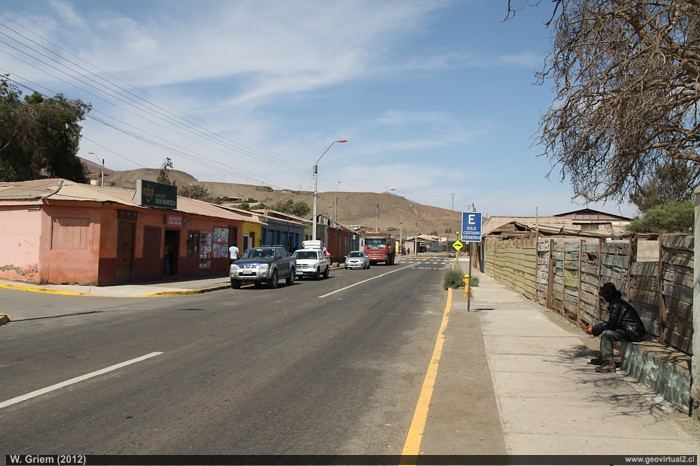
(146, 108)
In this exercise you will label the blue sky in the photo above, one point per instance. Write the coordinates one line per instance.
(437, 98)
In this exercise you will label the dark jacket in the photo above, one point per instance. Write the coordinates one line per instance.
(623, 318)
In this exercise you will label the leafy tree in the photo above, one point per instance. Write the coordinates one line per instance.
(283, 206)
(39, 136)
(673, 182)
(674, 217)
(301, 209)
(626, 105)
(164, 174)
(195, 191)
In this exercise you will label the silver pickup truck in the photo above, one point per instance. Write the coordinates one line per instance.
(264, 264)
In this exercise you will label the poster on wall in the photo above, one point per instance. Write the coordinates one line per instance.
(205, 250)
(220, 242)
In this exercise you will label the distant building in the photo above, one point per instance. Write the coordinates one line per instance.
(583, 220)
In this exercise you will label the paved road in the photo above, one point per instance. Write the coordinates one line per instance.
(333, 367)
(323, 367)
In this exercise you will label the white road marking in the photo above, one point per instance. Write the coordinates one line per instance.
(364, 281)
(75, 380)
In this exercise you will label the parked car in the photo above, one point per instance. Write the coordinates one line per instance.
(357, 260)
(312, 263)
(265, 264)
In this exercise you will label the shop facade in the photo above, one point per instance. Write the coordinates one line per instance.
(58, 231)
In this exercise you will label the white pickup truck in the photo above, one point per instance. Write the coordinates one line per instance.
(311, 263)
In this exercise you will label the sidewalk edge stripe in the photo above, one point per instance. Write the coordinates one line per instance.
(41, 290)
(420, 415)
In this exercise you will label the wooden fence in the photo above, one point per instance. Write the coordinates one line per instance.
(565, 273)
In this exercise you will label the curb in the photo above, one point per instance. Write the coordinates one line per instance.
(41, 290)
(187, 292)
(35, 289)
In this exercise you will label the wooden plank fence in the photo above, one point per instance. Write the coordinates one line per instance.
(565, 273)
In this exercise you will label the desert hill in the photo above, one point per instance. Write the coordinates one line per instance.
(385, 211)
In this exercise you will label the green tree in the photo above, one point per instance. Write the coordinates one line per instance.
(301, 209)
(625, 75)
(39, 136)
(195, 191)
(673, 217)
(164, 174)
(674, 182)
(283, 206)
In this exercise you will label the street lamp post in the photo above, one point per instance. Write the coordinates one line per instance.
(401, 233)
(313, 219)
(336, 201)
(102, 172)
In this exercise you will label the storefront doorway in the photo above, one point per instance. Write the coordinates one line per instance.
(171, 253)
(125, 251)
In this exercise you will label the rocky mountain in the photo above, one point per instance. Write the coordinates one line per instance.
(372, 210)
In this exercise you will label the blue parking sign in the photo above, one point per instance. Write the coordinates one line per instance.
(471, 227)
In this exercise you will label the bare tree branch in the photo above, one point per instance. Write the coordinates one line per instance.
(627, 80)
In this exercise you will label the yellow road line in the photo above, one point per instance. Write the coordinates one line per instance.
(420, 415)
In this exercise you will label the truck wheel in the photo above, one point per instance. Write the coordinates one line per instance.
(272, 283)
(327, 273)
(290, 277)
(317, 274)
(235, 284)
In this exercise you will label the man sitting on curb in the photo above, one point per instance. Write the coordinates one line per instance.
(624, 324)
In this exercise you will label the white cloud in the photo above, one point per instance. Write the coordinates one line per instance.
(67, 14)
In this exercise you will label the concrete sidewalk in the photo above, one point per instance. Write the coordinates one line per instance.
(552, 401)
(141, 290)
(144, 290)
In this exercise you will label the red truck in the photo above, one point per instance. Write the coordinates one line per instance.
(380, 247)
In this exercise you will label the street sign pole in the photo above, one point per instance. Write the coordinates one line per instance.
(471, 233)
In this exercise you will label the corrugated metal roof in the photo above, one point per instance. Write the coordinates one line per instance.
(495, 222)
(60, 189)
(193, 206)
(515, 228)
(66, 190)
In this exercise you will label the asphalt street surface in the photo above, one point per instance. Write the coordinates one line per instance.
(332, 366)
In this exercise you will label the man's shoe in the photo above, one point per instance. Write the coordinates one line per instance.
(606, 367)
(596, 361)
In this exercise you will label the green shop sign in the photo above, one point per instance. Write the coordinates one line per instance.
(152, 194)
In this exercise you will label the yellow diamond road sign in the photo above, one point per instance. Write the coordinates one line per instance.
(457, 245)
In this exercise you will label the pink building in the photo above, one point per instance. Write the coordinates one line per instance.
(59, 231)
